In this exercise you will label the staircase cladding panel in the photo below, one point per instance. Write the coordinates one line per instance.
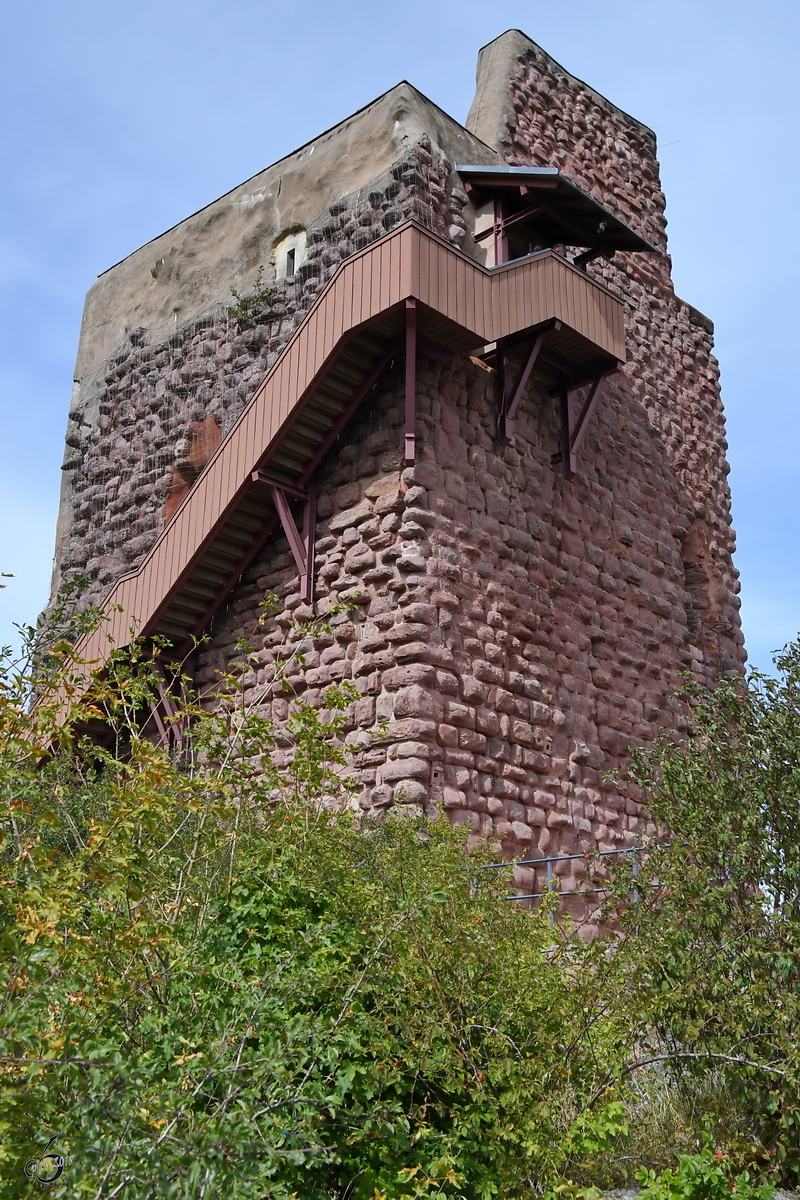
(410, 262)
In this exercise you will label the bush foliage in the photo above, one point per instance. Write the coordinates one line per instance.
(219, 980)
(253, 308)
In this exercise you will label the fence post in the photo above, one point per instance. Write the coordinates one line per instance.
(635, 868)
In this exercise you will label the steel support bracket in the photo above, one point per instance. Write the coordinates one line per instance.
(510, 390)
(167, 711)
(572, 434)
(301, 543)
(410, 452)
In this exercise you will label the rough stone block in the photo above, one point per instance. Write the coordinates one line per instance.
(469, 739)
(364, 711)
(348, 495)
(410, 673)
(416, 701)
(523, 833)
(424, 652)
(410, 729)
(425, 474)
(472, 690)
(522, 733)
(354, 515)
(412, 750)
(405, 768)
(498, 507)
(410, 791)
(359, 559)
(498, 749)
(487, 672)
(382, 796)
(459, 714)
(455, 487)
(487, 721)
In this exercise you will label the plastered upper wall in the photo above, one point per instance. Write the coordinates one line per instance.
(193, 265)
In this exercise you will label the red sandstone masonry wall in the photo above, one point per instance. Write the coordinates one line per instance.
(554, 120)
(513, 633)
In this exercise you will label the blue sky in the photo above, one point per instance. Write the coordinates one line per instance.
(118, 120)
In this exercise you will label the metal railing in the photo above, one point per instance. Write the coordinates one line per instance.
(547, 862)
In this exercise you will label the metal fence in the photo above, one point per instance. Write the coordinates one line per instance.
(548, 864)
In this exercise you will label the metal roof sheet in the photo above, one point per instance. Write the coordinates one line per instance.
(579, 215)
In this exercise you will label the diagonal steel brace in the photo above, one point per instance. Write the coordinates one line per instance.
(301, 544)
(573, 435)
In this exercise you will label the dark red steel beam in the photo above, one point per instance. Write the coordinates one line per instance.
(170, 727)
(510, 396)
(296, 493)
(572, 435)
(530, 362)
(174, 729)
(592, 400)
(347, 412)
(155, 716)
(295, 489)
(289, 528)
(309, 544)
(301, 545)
(411, 383)
(527, 214)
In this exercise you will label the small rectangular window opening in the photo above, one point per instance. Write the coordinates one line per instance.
(290, 262)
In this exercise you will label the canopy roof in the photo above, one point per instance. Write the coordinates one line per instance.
(572, 215)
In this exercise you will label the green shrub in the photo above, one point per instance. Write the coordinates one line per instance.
(218, 978)
(253, 308)
(701, 1176)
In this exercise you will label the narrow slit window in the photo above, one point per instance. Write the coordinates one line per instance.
(290, 254)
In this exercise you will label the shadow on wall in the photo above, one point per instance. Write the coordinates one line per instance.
(709, 631)
(704, 599)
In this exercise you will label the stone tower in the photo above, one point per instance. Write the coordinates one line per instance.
(467, 400)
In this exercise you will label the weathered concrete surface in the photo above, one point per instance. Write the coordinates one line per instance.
(192, 266)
